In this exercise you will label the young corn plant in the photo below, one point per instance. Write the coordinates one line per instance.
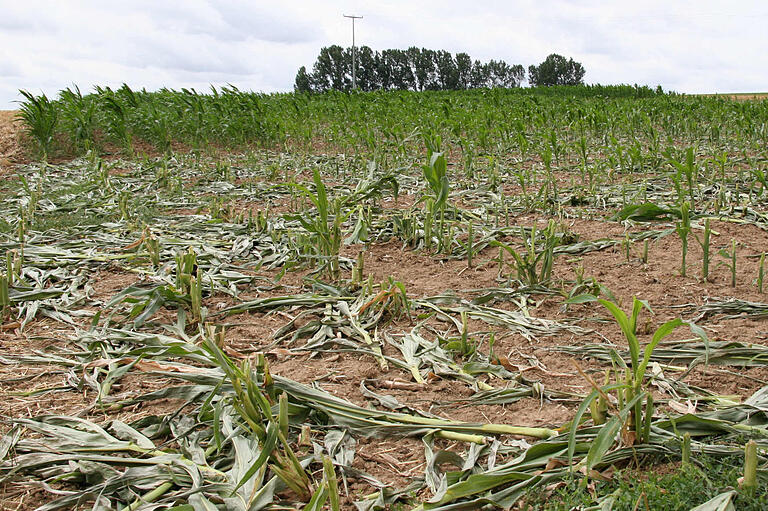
(254, 399)
(358, 272)
(730, 261)
(549, 191)
(40, 117)
(13, 264)
(123, 204)
(469, 245)
(189, 282)
(704, 243)
(325, 227)
(435, 173)
(119, 125)
(760, 273)
(683, 229)
(80, 117)
(630, 419)
(463, 345)
(685, 170)
(534, 266)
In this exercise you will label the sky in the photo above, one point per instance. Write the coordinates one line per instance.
(687, 46)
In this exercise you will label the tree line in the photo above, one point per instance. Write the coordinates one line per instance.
(421, 69)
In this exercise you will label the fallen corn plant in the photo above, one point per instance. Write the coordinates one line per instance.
(729, 308)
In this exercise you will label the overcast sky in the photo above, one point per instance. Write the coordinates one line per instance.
(682, 45)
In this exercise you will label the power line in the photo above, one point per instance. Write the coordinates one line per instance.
(354, 55)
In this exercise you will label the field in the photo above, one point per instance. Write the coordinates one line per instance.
(394, 300)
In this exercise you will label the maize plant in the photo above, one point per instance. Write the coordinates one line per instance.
(325, 227)
(534, 266)
(629, 418)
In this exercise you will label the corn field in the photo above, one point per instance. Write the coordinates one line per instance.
(386, 300)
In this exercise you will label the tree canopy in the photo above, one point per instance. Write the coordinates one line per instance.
(556, 70)
(411, 69)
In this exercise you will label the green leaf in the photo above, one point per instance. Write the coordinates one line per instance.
(266, 450)
(582, 298)
(661, 332)
(607, 435)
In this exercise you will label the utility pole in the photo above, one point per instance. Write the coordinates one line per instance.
(354, 56)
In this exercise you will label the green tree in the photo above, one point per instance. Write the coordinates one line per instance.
(463, 71)
(447, 72)
(385, 69)
(366, 72)
(411, 69)
(423, 64)
(332, 69)
(556, 70)
(401, 71)
(478, 75)
(500, 74)
(302, 82)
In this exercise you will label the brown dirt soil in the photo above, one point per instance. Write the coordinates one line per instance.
(28, 390)
(395, 461)
(11, 150)
(744, 96)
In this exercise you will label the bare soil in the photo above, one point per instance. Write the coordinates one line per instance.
(11, 150)
(743, 96)
(29, 390)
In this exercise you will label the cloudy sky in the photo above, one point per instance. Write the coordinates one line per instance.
(684, 45)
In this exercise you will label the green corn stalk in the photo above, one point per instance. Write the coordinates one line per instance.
(491, 343)
(329, 479)
(429, 206)
(262, 221)
(550, 186)
(598, 418)
(649, 408)
(704, 243)
(627, 244)
(10, 270)
(5, 300)
(186, 265)
(465, 349)
(358, 271)
(196, 297)
(686, 449)
(470, 243)
(23, 225)
(731, 261)
(152, 245)
(254, 395)
(760, 273)
(123, 202)
(150, 496)
(749, 481)
(447, 235)
(683, 228)
(283, 414)
(435, 173)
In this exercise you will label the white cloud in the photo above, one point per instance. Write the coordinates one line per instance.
(689, 46)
